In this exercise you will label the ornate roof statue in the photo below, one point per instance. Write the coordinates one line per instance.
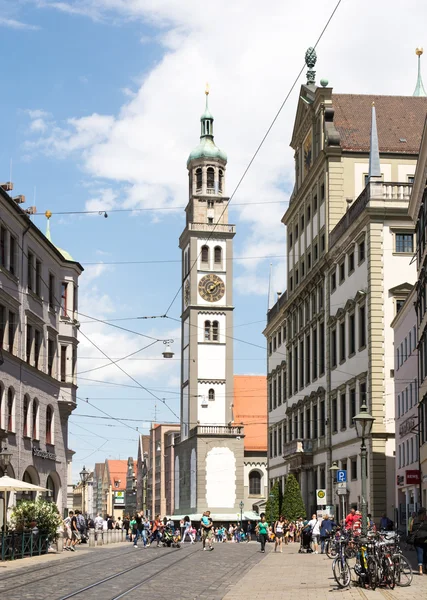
(419, 88)
(310, 61)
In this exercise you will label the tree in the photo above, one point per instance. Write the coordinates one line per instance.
(293, 505)
(272, 508)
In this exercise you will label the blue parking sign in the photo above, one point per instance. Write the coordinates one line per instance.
(341, 476)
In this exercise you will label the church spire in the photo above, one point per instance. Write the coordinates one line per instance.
(374, 150)
(207, 148)
(419, 88)
(206, 119)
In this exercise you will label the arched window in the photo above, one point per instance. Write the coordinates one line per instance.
(35, 423)
(51, 491)
(218, 255)
(210, 178)
(220, 180)
(199, 178)
(215, 331)
(10, 409)
(49, 425)
(25, 412)
(205, 254)
(207, 331)
(211, 394)
(254, 483)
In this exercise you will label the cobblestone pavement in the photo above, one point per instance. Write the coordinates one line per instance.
(230, 572)
(294, 576)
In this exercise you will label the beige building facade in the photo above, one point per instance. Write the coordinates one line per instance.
(350, 244)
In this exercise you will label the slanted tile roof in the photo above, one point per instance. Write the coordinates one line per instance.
(398, 118)
(250, 408)
(117, 470)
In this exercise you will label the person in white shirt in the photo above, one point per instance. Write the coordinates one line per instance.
(314, 524)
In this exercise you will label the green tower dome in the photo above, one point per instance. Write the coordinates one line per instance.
(207, 147)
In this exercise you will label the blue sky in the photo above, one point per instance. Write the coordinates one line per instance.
(100, 109)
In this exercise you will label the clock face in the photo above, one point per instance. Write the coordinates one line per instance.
(211, 288)
(187, 293)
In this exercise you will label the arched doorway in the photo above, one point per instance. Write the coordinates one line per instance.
(30, 476)
(53, 485)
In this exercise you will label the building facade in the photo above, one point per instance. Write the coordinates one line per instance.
(209, 451)
(350, 244)
(142, 472)
(98, 494)
(406, 410)
(38, 350)
(160, 470)
(418, 213)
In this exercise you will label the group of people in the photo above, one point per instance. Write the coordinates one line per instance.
(75, 529)
(282, 531)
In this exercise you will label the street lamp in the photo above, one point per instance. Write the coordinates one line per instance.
(84, 476)
(168, 353)
(241, 512)
(5, 457)
(363, 422)
(333, 470)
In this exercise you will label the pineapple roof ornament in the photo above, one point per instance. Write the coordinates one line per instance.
(310, 61)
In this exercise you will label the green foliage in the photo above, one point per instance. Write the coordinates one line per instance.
(272, 508)
(44, 514)
(293, 505)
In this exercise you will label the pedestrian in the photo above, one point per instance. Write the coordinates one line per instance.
(350, 518)
(146, 531)
(81, 526)
(138, 530)
(419, 530)
(188, 530)
(119, 524)
(157, 530)
(110, 523)
(249, 529)
(325, 531)
(262, 531)
(67, 531)
(314, 526)
(206, 525)
(126, 524)
(75, 533)
(279, 531)
(99, 525)
(411, 521)
(182, 527)
(386, 524)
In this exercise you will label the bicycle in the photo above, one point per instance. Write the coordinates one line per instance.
(340, 566)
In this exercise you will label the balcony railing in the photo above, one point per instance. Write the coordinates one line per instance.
(213, 430)
(220, 228)
(298, 446)
(375, 191)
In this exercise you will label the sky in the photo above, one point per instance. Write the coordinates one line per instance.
(100, 108)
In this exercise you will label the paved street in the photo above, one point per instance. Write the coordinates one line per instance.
(230, 572)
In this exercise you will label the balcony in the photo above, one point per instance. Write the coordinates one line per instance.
(375, 195)
(217, 430)
(297, 446)
(218, 227)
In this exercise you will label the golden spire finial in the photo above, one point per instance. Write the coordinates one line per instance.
(207, 89)
(48, 214)
(419, 51)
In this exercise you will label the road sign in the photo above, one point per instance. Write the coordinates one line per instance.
(321, 497)
(341, 476)
(342, 491)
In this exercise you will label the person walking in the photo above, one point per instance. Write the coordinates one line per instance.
(314, 526)
(75, 533)
(188, 530)
(262, 531)
(67, 531)
(350, 519)
(279, 532)
(206, 525)
(157, 530)
(325, 531)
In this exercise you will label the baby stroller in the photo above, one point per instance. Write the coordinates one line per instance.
(170, 539)
(305, 544)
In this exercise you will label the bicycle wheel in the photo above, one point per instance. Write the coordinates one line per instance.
(331, 549)
(341, 572)
(402, 570)
(388, 571)
(372, 569)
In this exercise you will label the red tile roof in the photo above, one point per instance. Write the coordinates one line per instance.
(117, 470)
(398, 118)
(250, 408)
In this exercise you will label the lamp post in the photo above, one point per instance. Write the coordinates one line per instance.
(363, 422)
(5, 457)
(84, 476)
(241, 513)
(333, 470)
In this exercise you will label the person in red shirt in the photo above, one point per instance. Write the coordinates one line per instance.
(351, 518)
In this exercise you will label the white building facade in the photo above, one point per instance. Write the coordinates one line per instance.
(38, 351)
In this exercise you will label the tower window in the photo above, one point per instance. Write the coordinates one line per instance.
(207, 331)
(10, 409)
(210, 178)
(199, 178)
(215, 331)
(218, 255)
(211, 394)
(220, 178)
(205, 254)
(35, 423)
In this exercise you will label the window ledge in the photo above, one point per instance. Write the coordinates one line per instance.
(352, 354)
(35, 297)
(362, 348)
(9, 274)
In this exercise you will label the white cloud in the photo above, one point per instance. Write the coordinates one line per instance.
(250, 57)
(15, 24)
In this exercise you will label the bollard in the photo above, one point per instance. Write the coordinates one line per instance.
(60, 542)
(109, 532)
(122, 535)
(99, 538)
(91, 538)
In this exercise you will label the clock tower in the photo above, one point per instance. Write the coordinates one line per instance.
(209, 450)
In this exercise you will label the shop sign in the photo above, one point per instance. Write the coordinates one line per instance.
(43, 454)
(400, 480)
(407, 426)
(119, 497)
(412, 477)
